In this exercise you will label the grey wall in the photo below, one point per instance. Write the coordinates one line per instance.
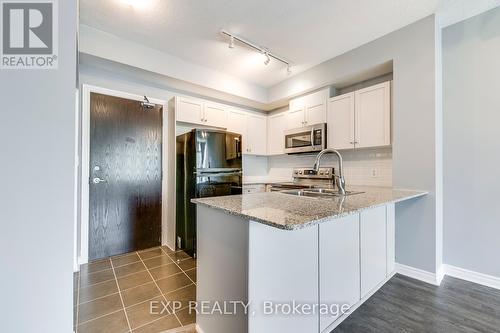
(471, 54)
(37, 152)
(412, 50)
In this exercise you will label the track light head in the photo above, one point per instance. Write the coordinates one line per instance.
(231, 42)
(268, 59)
(288, 69)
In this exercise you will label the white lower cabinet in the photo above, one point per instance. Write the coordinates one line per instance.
(339, 265)
(391, 239)
(373, 236)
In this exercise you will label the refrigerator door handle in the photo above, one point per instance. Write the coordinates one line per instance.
(217, 174)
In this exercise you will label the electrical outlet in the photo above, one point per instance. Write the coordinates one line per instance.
(374, 173)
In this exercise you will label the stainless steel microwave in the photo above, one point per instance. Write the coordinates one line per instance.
(305, 139)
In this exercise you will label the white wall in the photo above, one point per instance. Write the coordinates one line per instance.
(471, 53)
(37, 152)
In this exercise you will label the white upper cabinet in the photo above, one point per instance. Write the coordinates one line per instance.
(315, 107)
(308, 110)
(189, 110)
(237, 123)
(253, 129)
(257, 134)
(295, 117)
(341, 122)
(373, 116)
(194, 111)
(276, 126)
(215, 115)
(360, 119)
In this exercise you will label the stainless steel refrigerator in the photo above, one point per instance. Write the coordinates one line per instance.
(209, 164)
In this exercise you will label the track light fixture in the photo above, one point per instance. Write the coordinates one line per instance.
(260, 49)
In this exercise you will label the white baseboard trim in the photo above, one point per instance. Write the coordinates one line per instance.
(471, 276)
(440, 274)
(449, 270)
(418, 274)
(76, 267)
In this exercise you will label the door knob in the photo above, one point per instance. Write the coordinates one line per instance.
(98, 180)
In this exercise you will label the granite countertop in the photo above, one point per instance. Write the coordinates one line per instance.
(290, 212)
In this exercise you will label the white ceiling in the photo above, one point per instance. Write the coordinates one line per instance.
(306, 32)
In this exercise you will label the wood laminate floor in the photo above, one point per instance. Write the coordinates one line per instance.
(407, 305)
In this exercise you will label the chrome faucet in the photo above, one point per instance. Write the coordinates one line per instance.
(340, 176)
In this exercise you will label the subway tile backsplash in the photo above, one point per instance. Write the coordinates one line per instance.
(361, 167)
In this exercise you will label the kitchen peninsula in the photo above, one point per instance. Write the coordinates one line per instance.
(280, 249)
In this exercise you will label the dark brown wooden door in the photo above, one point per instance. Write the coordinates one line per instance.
(125, 176)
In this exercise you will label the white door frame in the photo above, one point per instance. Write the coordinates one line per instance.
(85, 165)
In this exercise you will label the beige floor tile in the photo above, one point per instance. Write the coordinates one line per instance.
(192, 274)
(166, 323)
(146, 312)
(95, 266)
(112, 323)
(97, 290)
(140, 294)
(164, 271)
(151, 253)
(99, 307)
(125, 259)
(173, 282)
(98, 277)
(179, 256)
(185, 329)
(167, 250)
(134, 280)
(187, 264)
(186, 317)
(158, 261)
(129, 269)
(184, 295)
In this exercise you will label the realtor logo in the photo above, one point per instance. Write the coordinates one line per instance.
(29, 34)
